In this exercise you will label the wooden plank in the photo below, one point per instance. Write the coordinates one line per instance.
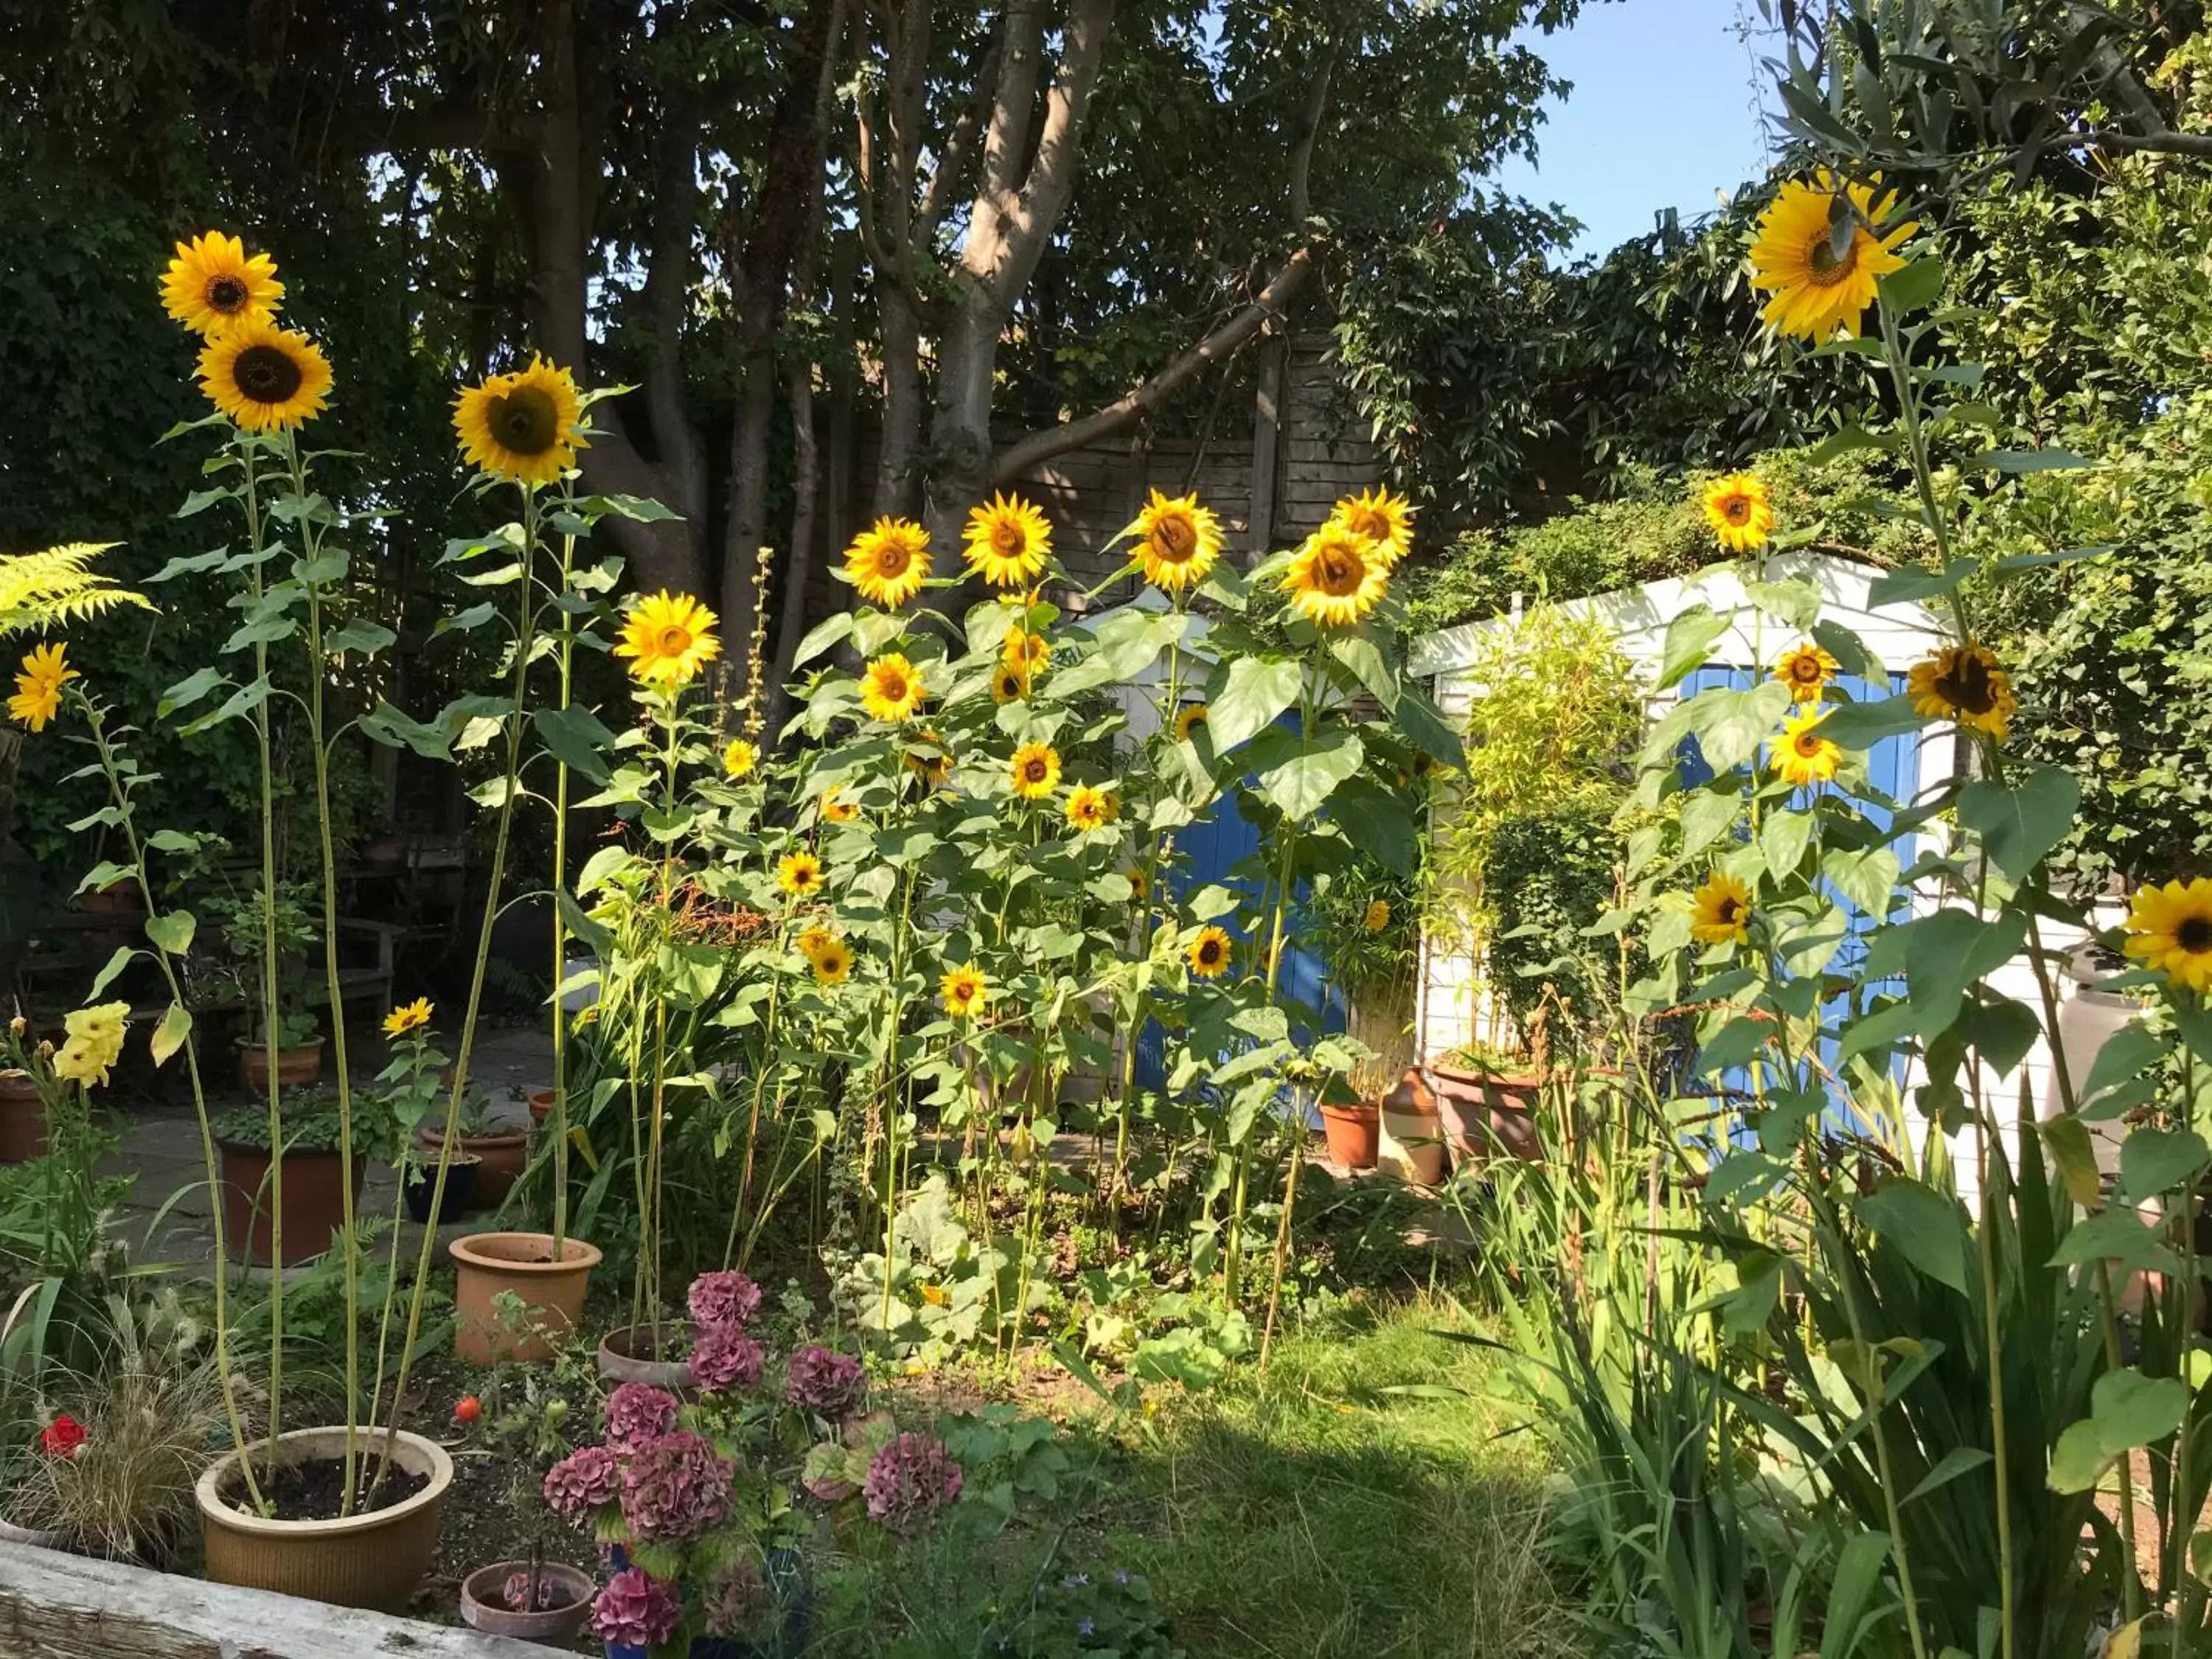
(65, 1606)
(1267, 419)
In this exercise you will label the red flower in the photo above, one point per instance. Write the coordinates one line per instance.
(62, 1437)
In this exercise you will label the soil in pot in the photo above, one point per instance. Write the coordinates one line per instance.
(501, 1159)
(552, 1294)
(315, 1204)
(22, 1119)
(649, 1354)
(1355, 1134)
(311, 1489)
(484, 1606)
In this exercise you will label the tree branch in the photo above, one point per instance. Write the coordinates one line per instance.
(1052, 176)
(1302, 140)
(952, 155)
(1013, 103)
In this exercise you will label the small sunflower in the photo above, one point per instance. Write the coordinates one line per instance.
(1378, 915)
(1720, 910)
(891, 690)
(1030, 654)
(1008, 685)
(408, 1016)
(1963, 682)
(1088, 808)
(811, 940)
(2170, 932)
(833, 962)
(1139, 884)
(265, 378)
(211, 285)
(1383, 519)
(1739, 511)
(1008, 541)
(669, 638)
(800, 874)
(1177, 540)
(964, 991)
(836, 809)
(739, 759)
(38, 695)
(1036, 771)
(1806, 670)
(527, 424)
(888, 562)
(1188, 719)
(1816, 290)
(1801, 755)
(1337, 578)
(1208, 954)
(936, 769)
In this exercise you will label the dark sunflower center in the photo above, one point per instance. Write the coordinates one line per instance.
(1737, 510)
(1728, 909)
(893, 687)
(1175, 539)
(1033, 771)
(524, 420)
(2195, 935)
(1366, 521)
(1210, 953)
(1008, 539)
(1967, 685)
(1808, 743)
(1338, 571)
(1804, 670)
(892, 560)
(267, 375)
(1822, 265)
(228, 295)
(675, 641)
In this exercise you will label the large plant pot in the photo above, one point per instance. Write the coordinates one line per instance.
(22, 1119)
(296, 1067)
(626, 1356)
(552, 1293)
(1486, 1113)
(1410, 1145)
(314, 1202)
(420, 1185)
(373, 1560)
(1355, 1134)
(483, 1604)
(501, 1159)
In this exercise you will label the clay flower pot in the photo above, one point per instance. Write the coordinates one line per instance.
(22, 1119)
(1355, 1134)
(1411, 1145)
(314, 1201)
(296, 1067)
(502, 1158)
(552, 1293)
(626, 1356)
(420, 1183)
(484, 1602)
(1487, 1114)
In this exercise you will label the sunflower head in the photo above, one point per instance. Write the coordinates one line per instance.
(1806, 671)
(1739, 511)
(892, 689)
(1337, 578)
(1008, 541)
(800, 874)
(211, 285)
(888, 562)
(408, 1016)
(836, 809)
(1802, 755)
(739, 759)
(1963, 682)
(1139, 884)
(833, 962)
(963, 990)
(525, 425)
(1008, 685)
(2169, 930)
(1820, 250)
(1382, 518)
(1026, 653)
(1187, 720)
(669, 638)
(1035, 771)
(1378, 915)
(1720, 910)
(38, 697)
(812, 941)
(265, 378)
(1208, 954)
(1089, 808)
(1177, 540)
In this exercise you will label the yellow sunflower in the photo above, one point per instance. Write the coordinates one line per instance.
(1720, 910)
(1028, 654)
(888, 562)
(79, 1061)
(800, 874)
(812, 941)
(739, 759)
(407, 1017)
(211, 285)
(1337, 578)
(265, 378)
(38, 697)
(1739, 511)
(669, 638)
(964, 991)
(833, 962)
(1139, 884)
(1177, 540)
(891, 690)
(1208, 954)
(1008, 685)
(1378, 915)
(836, 809)
(1817, 291)
(2170, 932)
(1189, 720)
(1383, 519)
(1801, 755)
(525, 424)
(1806, 671)
(1035, 770)
(1963, 682)
(934, 769)
(1088, 808)
(1008, 541)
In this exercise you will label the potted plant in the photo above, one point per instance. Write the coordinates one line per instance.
(418, 1179)
(316, 1178)
(530, 1598)
(22, 1117)
(501, 1155)
(252, 934)
(1486, 1098)
(658, 1352)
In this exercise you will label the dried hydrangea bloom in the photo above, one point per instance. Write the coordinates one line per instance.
(724, 1356)
(582, 1481)
(638, 1412)
(635, 1611)
(824, 1380)
(675, 1490)
(723, 1298)
(909, 1480)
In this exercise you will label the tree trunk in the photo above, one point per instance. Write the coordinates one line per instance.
(805, 497)
(896, 485)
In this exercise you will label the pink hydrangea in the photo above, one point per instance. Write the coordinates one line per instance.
(638, 1412)
(582, 1481)
(724, 1356)
(826, 1381)
(909, 1480)
(723, 1298)
(675, 1490)
(635, 1611)
(735, 1599)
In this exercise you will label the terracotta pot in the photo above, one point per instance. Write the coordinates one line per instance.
(373, 1560)
(626, 1356)
(1486, 1113)
(314, 1202)
(541, 1106)
(501, 1158)
(22, 1119)
(486, 1264)
(296, 1067)
(1354, 1133)
(1410, 1145)
(484, 1603)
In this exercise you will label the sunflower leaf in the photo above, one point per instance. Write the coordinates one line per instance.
(1252, 698)
(2020, 820)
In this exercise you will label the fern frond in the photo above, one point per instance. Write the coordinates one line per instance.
(57, 585)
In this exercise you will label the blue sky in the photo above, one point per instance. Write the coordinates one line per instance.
(1662, 114)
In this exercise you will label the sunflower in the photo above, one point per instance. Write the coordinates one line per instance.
(1189, 720)
(79, 1061)
(407, 1017)
(800, 874)
(1008, 541)
(211, 285)
(1739, 511)
(1035, 771)
(1139, 884)
(1337, 578)
(1177, 540)
(836, 809)
(891, 690)
(1089, 808)
(814, 940)
(670, 637)
(1816, 290)
(964, 991)
(933, 769)
(265, 378)
(1963, 682)
(1383, 519)
(889, 563)
(527, 424)
(739, 759)
(833, 962)
(1378, 915)
(1008, 685)
(1806, 671)
(38, 697)
(1720, 910)
(2169, 931)
(1208, 954)
(1801, 755)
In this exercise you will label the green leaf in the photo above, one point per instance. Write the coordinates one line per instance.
(1917, 282)
(1690, 638)
(1252, 698)
(171, 931)
(2076, 1154)
(1129, 642)
(1423, 725)
(1913, 583)
(1731, 724)
(1783, 840)
(2118, 1236)
(1862, 725)
(2131, 1410)
(2019, 823)
(1945, 953)
(1301, 784)
(1362, 658)
(360, 634)
(1867, 880)
(576, 738)
(2032, 460)
(1850, 652)
(2155, 1161)
(1707, 815)
(191, 688)
(2079, 1460)
(1850, 441)
(1928, 1229)
(1959, 1460)
(169, 1036)
(396, 729)
(118, 960)
(822, 637)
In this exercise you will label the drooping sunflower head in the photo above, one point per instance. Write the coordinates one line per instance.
(1208, 954)
(1806, 670)
(888, 562)
(1139, 884)
(1177, 540)
(669, 638)
(810, 940)
(1028, 654)
(1801, 754)
(1383, 519)
(739, 759)
(1008, 541)
(1337, 578)
(2169, 930)
(964, 991)
(1963, 682)
(1089, 808)
(1378, 915)
(408, 1016)
(38, 697)
(1035, 771)
(892, 689)
(1820, 249)
(265, 378)
(1008, 685)
(1720, 910)
(836, 809)
(211, 285)
(833, 961)
(800, 874)
(527, 424)
(1187, 720)
(933, 763)
(1739, 511)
